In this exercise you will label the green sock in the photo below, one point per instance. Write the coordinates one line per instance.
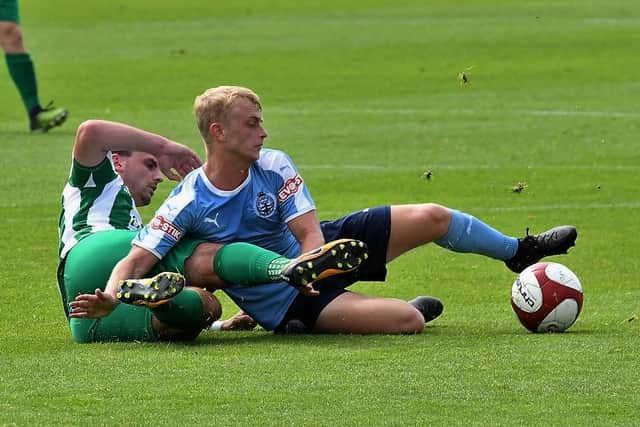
(24, 76)
(247, 264)
(184, 311)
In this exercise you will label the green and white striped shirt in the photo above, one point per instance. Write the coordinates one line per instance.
(94, 199)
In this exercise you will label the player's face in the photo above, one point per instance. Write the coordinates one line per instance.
(141, 174)
(244, 131)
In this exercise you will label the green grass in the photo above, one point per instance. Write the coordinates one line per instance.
(364, 96)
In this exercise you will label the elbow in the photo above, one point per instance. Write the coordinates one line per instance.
(88, 130)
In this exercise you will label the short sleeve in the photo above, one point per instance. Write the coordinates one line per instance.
(95, 176)
(170, 223)
(293, 195)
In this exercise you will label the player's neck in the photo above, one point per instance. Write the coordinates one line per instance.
(225, 175)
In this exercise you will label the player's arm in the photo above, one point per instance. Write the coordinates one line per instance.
(296, 206)
(307, 231)
(135, 265)
(241, 321)
(95, 138)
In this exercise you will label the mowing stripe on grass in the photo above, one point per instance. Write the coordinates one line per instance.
(320, 110)
(387, 168)
(562, 206)
(549, 207)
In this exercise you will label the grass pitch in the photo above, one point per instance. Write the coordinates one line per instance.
(366, 97)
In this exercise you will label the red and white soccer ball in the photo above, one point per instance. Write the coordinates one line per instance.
(546, 297)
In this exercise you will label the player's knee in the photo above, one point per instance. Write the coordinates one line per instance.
(11, 37)
(210, 305)
(80, 331)
(411, 321)
(437, 217)
(199, 267)
(211, 311)
(81, 338)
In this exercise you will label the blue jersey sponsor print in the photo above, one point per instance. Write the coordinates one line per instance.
(257, 212)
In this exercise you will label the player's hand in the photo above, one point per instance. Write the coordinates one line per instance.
(177, 161)
(240, 322)
(308, 290)
(93, 306)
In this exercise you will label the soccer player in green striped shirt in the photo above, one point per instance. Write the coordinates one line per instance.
(116, 168)
(22, 71)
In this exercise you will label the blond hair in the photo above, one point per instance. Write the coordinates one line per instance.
(215, 104)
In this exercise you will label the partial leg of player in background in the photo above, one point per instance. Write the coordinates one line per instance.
(23, 73)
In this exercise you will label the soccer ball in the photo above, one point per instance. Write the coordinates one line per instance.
(546, 297)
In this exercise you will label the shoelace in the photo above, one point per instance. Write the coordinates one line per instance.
(49, 106)
(535, 240)
(540, 238)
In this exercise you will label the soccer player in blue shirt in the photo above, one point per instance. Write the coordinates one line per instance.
(245, 192)
(115, 169)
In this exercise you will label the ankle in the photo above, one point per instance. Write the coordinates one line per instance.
(34, 111)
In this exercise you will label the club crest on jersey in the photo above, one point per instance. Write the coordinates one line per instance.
(290, 187)
(160, 223)
(265, 204)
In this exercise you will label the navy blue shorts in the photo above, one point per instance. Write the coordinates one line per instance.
(372, 226)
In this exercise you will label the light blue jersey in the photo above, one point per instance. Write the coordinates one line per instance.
(256, 212)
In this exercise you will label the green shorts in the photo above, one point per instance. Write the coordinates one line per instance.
(89, 265)
(9, 11)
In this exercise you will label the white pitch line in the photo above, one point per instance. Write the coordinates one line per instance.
(563, 206)
(409, 168)
(624, 21)
(550, 207)
(564, 113)
(413, 111)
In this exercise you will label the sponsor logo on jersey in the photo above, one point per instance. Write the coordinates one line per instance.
(213, 220)
(170, 208)
(290, 187)
(265, 204)
(160, 223)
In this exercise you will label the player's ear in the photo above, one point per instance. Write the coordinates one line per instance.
(118, 163)
(216, 131)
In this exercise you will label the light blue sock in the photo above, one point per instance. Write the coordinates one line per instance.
(468, 234)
